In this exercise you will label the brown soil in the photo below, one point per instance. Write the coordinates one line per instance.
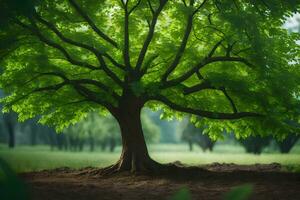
(208, 182)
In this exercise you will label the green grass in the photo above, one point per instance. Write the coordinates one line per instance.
(24, 158)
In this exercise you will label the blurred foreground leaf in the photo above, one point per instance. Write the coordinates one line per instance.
(242, 192)
(11, 187)
(182, 194)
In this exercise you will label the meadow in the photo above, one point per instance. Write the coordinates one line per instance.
(27, 158)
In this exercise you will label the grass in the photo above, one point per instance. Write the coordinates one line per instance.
(24, 158)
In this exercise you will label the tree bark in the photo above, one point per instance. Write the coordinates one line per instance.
(134, 156)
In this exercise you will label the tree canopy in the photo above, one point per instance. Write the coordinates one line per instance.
(230, 62)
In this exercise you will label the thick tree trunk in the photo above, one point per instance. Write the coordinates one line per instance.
(134, 156)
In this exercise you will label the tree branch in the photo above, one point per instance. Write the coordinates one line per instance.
(199, 7)
(85, 92)
(134, 7)
(206, 85)
(181, 49)
(95, 51)
(92, 24)
(126, 53)
(149, 36)
(79, 81)
(36, 32)
(110, 73)
(197, 87)
(205, 62)
(230, 100)
(202, 113)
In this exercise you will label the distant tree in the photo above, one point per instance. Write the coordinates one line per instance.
(192, 134)
(222, 60)
(105, 131)
(9, 122)
(255, 144)
(288, 143)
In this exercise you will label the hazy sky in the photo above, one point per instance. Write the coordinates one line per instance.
(293, 23)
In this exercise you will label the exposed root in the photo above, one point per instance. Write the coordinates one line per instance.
(110, 169)
(148, 167)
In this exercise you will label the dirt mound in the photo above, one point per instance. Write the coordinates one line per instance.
(208, 182)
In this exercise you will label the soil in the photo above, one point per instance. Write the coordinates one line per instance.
(208, 182)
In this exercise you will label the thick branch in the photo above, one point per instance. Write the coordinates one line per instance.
(149, 35)
(206, 85)
(126, 55)
(202, 113)
(92, 24)
(110, 73)
(205, 62)
(55, 45)
(230, 100)
(95, 51)
(85, 92)
(199, 7)
(96, 83)
(180, 50)
(134, 7)
(197, 88)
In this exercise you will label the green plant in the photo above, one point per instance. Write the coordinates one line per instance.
(182, 194)
(242, 192)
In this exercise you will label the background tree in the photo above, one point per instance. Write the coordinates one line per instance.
(255, 144)
(9, 123)
(221, 60)
(288, 143)
(104, 131)
(192, 134)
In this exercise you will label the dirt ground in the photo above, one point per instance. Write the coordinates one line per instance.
(208, 182)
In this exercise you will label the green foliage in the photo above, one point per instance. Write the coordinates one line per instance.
(182, 194)
(61, 60)
(242, 192)
(11, 187)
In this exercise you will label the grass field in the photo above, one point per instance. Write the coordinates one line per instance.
(25, 158)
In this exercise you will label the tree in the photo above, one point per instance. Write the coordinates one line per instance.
(255, 144)
(9, 121)
(221, 60)
(287, 144)
(192, 134)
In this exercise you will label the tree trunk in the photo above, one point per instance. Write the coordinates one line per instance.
(92, 143)
(134, 156)
(8, 119)
(33, 136)
(190, 142)
(11, 136)
(112, 144)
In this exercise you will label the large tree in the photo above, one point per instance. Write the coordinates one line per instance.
(223, 60)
